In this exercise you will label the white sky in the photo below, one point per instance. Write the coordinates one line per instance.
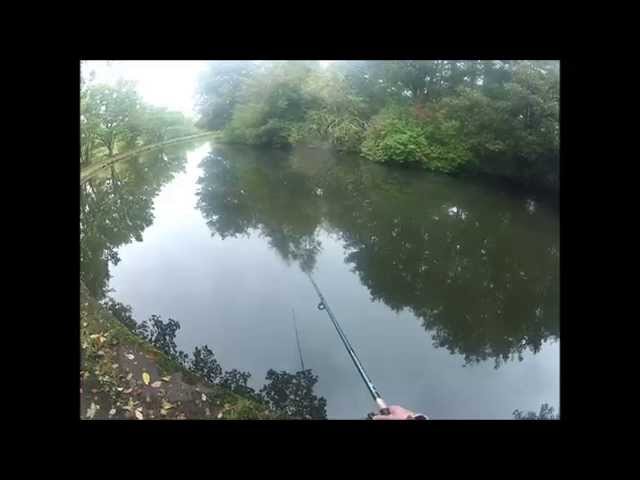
(170, 84)
(163, 83)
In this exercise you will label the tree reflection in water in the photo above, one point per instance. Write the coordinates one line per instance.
(287, 395)
(481, 274)
(116, 208)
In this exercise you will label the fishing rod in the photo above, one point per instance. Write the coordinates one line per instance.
(295, 326)
(323, 305)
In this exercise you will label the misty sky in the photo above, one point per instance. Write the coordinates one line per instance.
(163, 83)
(170, 84)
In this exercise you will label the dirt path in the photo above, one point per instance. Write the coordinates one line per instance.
(89, 171)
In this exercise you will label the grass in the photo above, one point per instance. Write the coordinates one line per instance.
(113, 386)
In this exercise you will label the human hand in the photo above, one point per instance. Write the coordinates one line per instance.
(396, 412)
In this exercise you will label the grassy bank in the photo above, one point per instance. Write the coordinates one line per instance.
(124, 377)
(89, 170)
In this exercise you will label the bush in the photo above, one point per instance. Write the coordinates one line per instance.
(397, 136)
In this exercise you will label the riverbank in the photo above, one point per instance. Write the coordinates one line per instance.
(124, 377)
(88, 171)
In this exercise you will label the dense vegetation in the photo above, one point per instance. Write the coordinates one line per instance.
(114, 119)
(494, 117)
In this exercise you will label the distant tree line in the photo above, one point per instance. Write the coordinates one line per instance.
(495, 117)
(115, 119)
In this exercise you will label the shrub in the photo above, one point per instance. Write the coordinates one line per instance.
(397, 136)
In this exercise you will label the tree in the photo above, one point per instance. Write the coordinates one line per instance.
(115, 210)
(115, 107)
(89, 125)
(291, 395)
(162, 335)
(477, 116)
(122, 312)
(272, 103)
(236, 381)
(218, 92)
(409, 254)
(159, 124)
(204, 363)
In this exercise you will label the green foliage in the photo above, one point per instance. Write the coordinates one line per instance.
(236, 381)
(275, 102)
(514, 131)
(397, 136)
(114, 107)
(162, 336)
(115, 118)
(122, 313)
(218, 92)
(204, 363)
(495, 117)
(291, 395)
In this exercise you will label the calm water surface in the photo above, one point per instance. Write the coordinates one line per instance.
(447, 288)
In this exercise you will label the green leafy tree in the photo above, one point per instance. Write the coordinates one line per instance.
(204, 363)
(478, 116)
(291, 395)
(162, 335)
(122, 312)
(273, 103)
(115, 108)
(218, 92)
(236, 381)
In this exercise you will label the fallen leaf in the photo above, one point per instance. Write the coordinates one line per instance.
(129, 376)
(220, 415)
(139, 414)
(129, 356)
(115, 365)
(91, 411)
(112, 412)
(145, 378)
(167, 378)
(204, 397)
(156, 384)
(163, 411)
(166, 405)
